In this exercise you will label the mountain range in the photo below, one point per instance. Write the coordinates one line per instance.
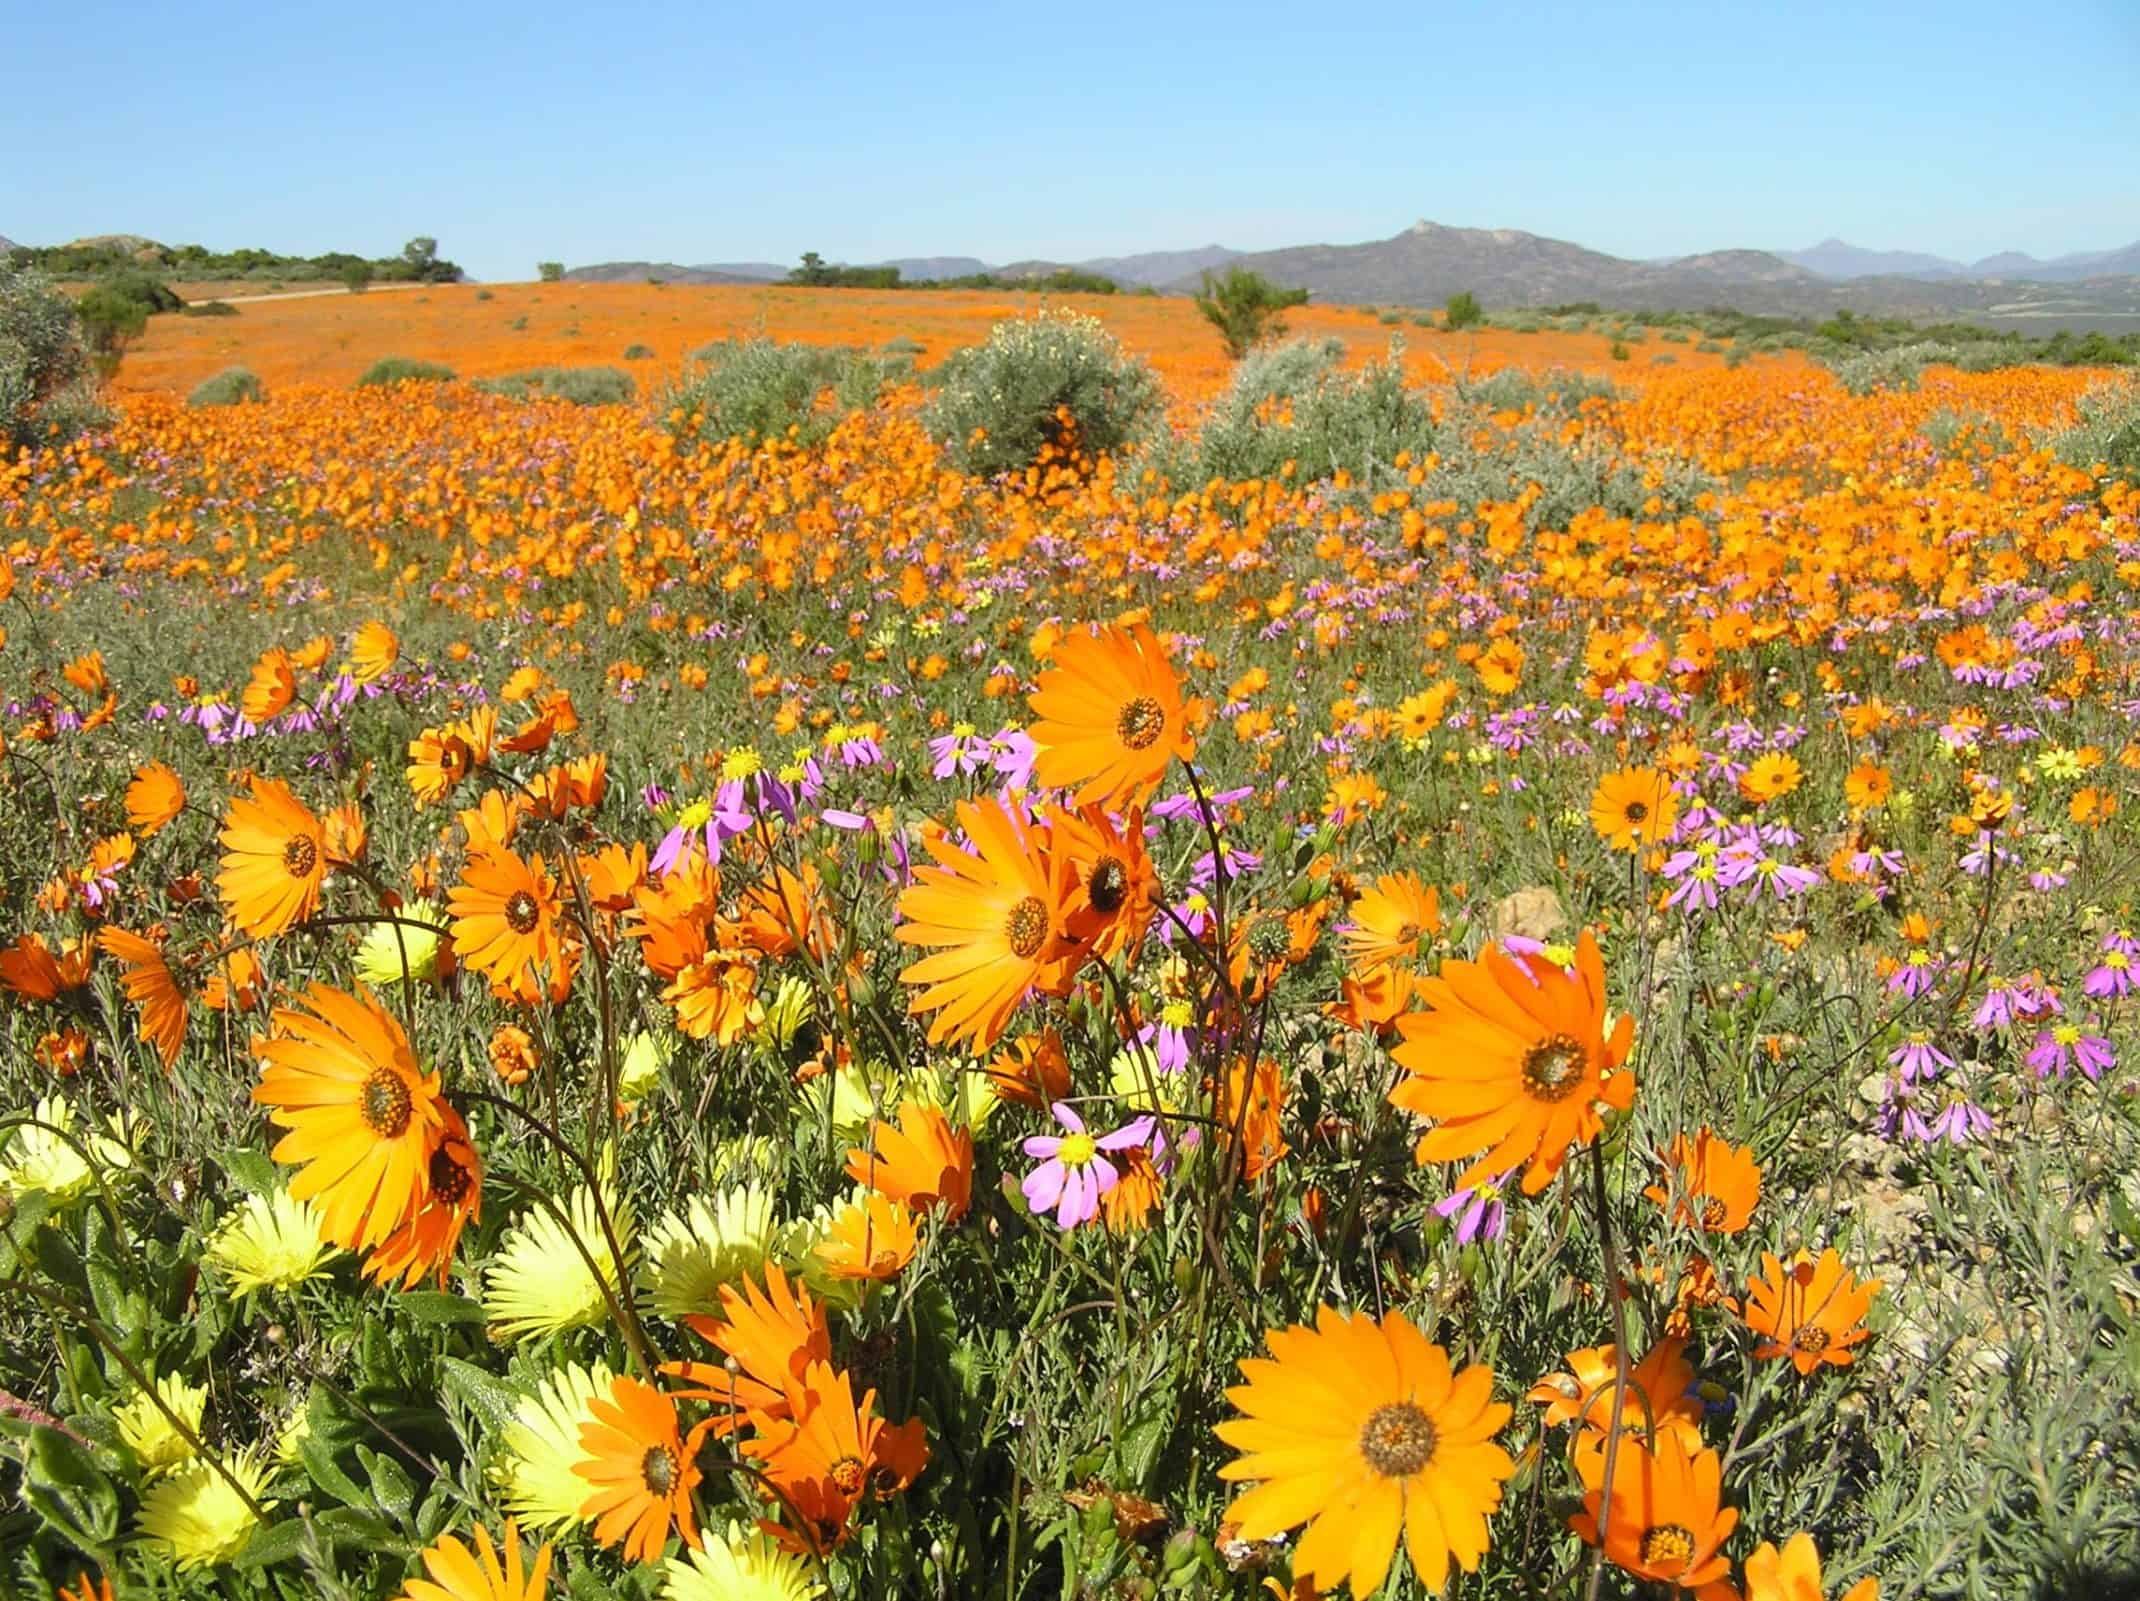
(1507, 268)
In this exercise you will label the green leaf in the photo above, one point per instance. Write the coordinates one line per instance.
(393, 1491)
(1141, 1444)
(252, 1172)
(437, 1306)
(328, 1474)
(65, 1488)
(489, 1397)
(2123, 1217)
(278, 1543)
(346, 1524)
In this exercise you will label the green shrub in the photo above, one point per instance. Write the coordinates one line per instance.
(583, 386)
(1392, 319)
(357, 276)
(1862, 372)
(45, 389)
(2106, 432)
(550, 272)
(481, 294)
(209, 308)
(1246, 308)
(233, 386)
(901, 345)
(1055, 380)
(1558, 391)
(403, 370)
(111, 321)
(146, 290)
(638, 353)
(756, 389)
(1619, 351)
(1296, 403)
(518, 325)
(1462, 310)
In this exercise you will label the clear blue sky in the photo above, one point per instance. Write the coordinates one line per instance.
(542, 130)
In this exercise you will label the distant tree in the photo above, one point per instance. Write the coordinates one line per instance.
(550, 271)
(419, 253)
(111, 320)
(357, 275)
(1246, 308)
(1463, 310)
(813, 271)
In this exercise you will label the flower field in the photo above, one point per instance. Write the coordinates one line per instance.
(596, 1011)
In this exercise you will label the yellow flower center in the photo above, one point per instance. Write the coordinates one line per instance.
(1668, 1547)
(1142, 722)
(1076, 1150)
(1026, 929)
(1399, 1440)
(739, 764)
(300, 856)
(385, 1105)
(658, 1468)
(522, 912)
(1553, 1068)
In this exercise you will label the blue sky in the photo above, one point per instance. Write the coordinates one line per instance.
(542, 130)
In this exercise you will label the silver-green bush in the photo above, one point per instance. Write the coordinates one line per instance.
(233, 386)
(1057, 380)
(1295, 403)
(583, 386)
(46, 391)
(402, 370)
(2107, 432)
(757, 389)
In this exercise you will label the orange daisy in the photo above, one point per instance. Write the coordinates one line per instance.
(642, 1469)
(1663, 1382)
(1708, 1183)
(155, 796)
(1365, 1432)
(30, 969)
(771, 1335)
(451, 1199)
(1114, 886)
(1633, 808)
(1031, 1070)
(1513, 1061)
(995, 916)
(504, 915)
(870, 1238)
(271, 688)
(1793, 1574)
(363, 1119)
(274, 859)
(829, 1450)
(149, 984)
(1111, 716)
(459, 1574)
(1392, 924)
(373, 653)
(921, 1162)
(1812, 1310)
(1666, 1518)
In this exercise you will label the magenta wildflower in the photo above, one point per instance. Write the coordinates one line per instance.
(1075, 1172)
(2065, 1046)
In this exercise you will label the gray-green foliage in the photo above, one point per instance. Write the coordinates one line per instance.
(583, 386)
(233, 386)
(45, 387)
(1295, 403)
(1004, 402)
(758, 389)
(2107, 432)
(404, 370)
(1559, 390)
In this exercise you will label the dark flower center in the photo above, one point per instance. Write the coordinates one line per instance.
(1638, 812)
(1553, 1068)
(1668, 1547)
(1109, 887)
(1812, 1338)
(1712, 1213)
(1142, 721)
(522, 912)
(300, 856)
(450, 1179)
(658, 1469)
(1399, 1440)
(385, 1105)
(1026, 929)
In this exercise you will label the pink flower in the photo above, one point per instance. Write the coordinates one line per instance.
(1076, 1174)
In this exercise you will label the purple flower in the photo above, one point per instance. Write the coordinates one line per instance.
(2112, 977)
(1485, 1215)
(2064, 1046)
(1074, 1174)
(1917, 1057)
